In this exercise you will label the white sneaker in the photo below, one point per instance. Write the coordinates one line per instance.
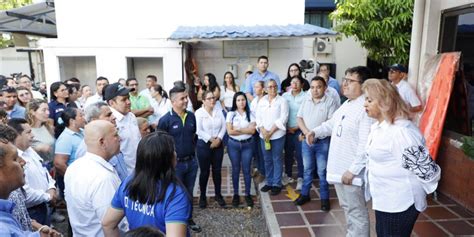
(299, 184)
(291, 180)
(56, 217)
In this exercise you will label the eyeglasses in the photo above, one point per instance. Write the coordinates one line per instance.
(349, 80)
(211, 98)
(294, 70)
(272, 87)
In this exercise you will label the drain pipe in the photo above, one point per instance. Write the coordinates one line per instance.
(416, 40)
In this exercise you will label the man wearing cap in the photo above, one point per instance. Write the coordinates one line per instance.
(396, 75)
(117, 96)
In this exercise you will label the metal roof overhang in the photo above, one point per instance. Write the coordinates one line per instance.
(204, 33)
(35, 19)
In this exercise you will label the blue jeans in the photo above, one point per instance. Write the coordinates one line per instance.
(293, 149)
(240, 154)
(273, 161)
(186, 171)
(208, 157)
(312, 154)
(257, 154)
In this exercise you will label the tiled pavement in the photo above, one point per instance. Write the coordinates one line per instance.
(444, 217)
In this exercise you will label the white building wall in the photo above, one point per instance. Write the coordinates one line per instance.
(111, 59)
(83, 68)
(13, 62)
(431, 29)
(111, 31)
(281, 53)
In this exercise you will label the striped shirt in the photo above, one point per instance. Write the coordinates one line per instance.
(349, 128)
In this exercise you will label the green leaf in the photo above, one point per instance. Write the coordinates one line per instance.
(383, 27)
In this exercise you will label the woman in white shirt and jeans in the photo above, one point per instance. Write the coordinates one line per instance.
(400, 171)
(272, 115)
(210, 123)
(240, 126)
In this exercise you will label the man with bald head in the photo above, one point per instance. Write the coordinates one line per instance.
(101, 111)
(91, 181)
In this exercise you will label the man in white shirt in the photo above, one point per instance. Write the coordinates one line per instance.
(100, 83)
(91, 181)
(39, 185)
(117, 96)
(26, 81)
(349, 128)
(396, 75)
(151, 81)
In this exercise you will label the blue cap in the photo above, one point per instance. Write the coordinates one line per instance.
(399, 67)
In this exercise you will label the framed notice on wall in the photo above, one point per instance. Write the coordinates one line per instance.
(245, 48)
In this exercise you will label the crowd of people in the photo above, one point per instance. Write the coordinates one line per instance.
(126, 161)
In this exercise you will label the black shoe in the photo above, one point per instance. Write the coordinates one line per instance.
(236, 201)
(249, 201)
(275, 191)
(302, 199)
(266, 188)
(220, 200)
(193, 226)
(202, 202)
(325, 205)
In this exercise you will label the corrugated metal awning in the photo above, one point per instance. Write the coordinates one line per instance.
(186, 33)
(35, 19)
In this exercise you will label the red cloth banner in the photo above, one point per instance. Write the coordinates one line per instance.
(433, 117)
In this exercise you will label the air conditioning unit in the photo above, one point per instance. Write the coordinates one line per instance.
(322, 45)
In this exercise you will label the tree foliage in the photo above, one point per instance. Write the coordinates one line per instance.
(6, 5)
(383, 27)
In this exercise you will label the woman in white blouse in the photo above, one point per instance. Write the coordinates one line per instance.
(272, 115)
(400, 171)
(160, 103)
(228, 90)
(210, 123)
(240, 127)
(259, 89)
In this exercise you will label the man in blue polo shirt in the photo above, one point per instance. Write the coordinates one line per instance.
(261, 74)
(14, 110)
(181, 125)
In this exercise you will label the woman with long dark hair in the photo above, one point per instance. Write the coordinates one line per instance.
(294, 70)
(228, 89)
(214, 88)
(240, 126)
(152, 195)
